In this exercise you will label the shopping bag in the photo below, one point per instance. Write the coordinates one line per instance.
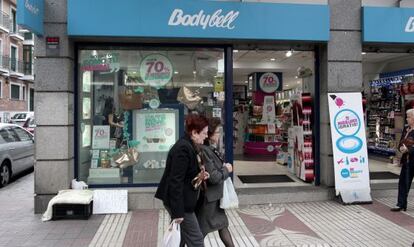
(172, 235)
(229, 199)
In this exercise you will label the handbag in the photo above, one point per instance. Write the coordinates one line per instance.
(130, 100)
(188, 98)
(172, 235)
(229, 199)
(200, 179)
(126, 157)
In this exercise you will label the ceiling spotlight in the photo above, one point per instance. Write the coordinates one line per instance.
(296, 77)
(194, 72)
(289, 53)
(246, 82)
(175, 72)
(235, 50)
(363, 53)
(272, 59)
(298, 82)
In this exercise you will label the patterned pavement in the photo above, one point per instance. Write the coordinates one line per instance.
(325, 223)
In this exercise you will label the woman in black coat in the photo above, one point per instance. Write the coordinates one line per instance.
(209, 214)
(175, 189)
(406, 147)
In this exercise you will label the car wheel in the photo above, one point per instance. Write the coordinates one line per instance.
(4, 174)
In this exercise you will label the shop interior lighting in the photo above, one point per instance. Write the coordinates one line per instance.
(363, 53)
(175, 72)
(235, 51)
(272, 59)
(289, 53)
(194, 72)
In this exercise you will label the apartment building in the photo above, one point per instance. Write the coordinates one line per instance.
(16, 63)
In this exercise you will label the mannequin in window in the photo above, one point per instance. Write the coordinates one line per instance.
(114, 120)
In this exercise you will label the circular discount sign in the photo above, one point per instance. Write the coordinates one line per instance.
(269, 82)
(156, 70)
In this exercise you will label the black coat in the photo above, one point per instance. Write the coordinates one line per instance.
(407, 157)
(175, 188)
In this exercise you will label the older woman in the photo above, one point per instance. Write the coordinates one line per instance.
(176, 189)
(209, 214)
(406, 147)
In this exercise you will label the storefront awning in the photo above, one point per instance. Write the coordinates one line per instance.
(198, 19)
(388, 25)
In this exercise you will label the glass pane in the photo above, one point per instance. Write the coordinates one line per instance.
(23, 135)
(15, 92)
(134, 102)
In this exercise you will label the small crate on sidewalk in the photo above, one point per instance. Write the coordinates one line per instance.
(72, 211)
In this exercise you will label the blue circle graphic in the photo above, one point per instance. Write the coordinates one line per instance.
(354, 113)
(345, 173)
(349, 144)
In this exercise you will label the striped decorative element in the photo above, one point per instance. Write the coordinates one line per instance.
(112, 231)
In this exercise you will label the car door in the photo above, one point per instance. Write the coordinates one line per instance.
(25, 146)
(10, 147)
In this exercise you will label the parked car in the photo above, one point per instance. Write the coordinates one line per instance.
(30, 125)
(16, 151)
(20, 118)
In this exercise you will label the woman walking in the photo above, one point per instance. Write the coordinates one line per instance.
(209, 214)
(176, 189)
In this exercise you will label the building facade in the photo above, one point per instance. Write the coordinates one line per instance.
(110, 55)
(16, 65)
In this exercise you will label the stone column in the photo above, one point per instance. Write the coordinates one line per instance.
(341, 70)
(54, 108)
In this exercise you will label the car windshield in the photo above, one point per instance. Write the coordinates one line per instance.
(19, 116)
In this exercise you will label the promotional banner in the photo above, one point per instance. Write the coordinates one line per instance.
(349, 147)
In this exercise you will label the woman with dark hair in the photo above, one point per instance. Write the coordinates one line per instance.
(176, 189)
(209, 214)
(113, 120)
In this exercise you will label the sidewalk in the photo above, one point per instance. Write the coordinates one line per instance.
(325, 223)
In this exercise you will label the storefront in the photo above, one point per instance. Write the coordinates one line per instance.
(103, 65)
(132, 97)
(388, 37)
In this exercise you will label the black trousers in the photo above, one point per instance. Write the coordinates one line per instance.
(404, 183)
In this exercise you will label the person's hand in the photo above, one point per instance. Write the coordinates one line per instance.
(178, 220)
(229, 167)
(403, 148)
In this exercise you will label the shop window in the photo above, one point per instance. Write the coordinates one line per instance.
(132, 105)
(14, 92)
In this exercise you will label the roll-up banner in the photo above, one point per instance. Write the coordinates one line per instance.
(349, 147)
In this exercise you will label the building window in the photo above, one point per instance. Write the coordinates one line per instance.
(1, 89)
(14, 91)
(27, 59)
(139, 88)
(23, 92)
(13, 58)
(13, 19)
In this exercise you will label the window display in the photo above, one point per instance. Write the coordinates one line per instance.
(132, 106)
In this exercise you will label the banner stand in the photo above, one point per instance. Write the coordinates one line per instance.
(350, 155)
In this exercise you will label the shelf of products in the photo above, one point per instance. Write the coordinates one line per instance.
(384, 105)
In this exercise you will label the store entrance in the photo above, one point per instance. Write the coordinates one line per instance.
(273, 91)
(389, 90)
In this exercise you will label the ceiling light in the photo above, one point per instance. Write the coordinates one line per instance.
(194, 72)
(175, 72)
(246, 82)
(235, 50)
(272, 59)
(298, 82)
(289, 53)
(134, 72)
(296, 77)
(363, 53)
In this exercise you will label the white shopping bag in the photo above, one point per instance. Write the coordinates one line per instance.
(229, 199)
(172, 235)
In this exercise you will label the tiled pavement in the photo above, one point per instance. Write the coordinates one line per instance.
(324, 223)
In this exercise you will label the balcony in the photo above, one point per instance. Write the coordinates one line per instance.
(28, 71)
(28, 39)
(15, 32)
(16, 68)
(4, 65)
(4, 22)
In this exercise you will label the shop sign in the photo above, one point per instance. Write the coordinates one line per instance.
(156, 70)
(108, 62)
(388, 25)
(349, 147)
(30, 15)
(235, 20)
(269, 83)
(100, 137)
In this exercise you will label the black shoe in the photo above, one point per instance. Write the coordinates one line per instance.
(397, 209)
